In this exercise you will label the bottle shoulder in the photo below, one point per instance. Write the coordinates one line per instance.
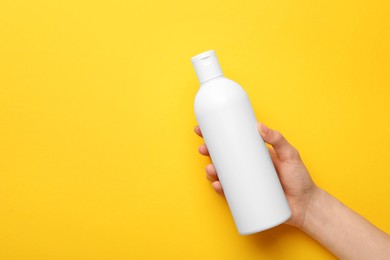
(218, 92)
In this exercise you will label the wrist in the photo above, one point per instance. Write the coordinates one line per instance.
(312, 208)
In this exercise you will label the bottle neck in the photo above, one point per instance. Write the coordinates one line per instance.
(207, 81)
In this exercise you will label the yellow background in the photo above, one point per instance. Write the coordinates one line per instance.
(97, 150)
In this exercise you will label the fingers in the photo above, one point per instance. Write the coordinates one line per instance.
(282, 147)
(218, 188)
(203, 150)
(212, 176)
(197, 131)
(211, 173)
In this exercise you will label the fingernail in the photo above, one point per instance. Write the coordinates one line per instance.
(263, 129)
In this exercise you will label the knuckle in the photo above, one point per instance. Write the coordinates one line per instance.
(277, 136)
(292, 153)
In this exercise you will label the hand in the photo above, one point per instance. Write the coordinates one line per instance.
(296, 181)
(338, 228)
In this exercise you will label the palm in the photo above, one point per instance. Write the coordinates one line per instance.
(297, 186)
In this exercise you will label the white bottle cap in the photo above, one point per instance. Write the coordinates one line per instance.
(206, 66)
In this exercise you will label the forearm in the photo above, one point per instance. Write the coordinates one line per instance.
(342, 231)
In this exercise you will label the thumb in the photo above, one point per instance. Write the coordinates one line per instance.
(284, 150)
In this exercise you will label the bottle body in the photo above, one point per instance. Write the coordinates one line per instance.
(240, 156)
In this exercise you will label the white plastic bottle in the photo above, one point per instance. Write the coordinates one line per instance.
(239, 154)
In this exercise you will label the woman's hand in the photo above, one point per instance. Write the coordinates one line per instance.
(297, 184)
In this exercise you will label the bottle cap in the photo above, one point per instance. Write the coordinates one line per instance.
(206, 66)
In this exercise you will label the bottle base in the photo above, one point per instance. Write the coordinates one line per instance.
(257, 230)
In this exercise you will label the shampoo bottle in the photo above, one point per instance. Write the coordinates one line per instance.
(239, 154)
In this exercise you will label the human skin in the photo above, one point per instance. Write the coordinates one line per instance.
(338, 228)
